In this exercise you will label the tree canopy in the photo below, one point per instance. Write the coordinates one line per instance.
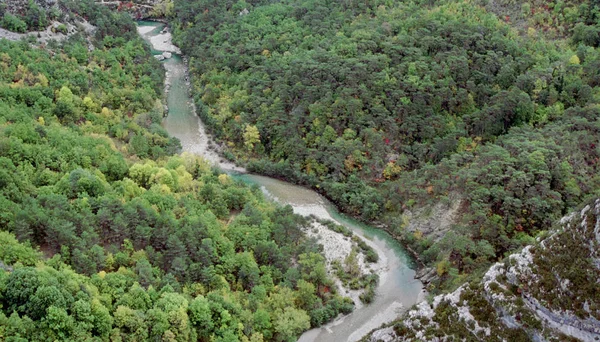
(387, 106)
(108, 233)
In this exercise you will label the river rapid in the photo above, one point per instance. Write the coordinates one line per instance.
(398, 289)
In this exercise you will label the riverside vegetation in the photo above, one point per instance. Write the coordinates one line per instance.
(108, 234)
(386, 107)
(392, 106)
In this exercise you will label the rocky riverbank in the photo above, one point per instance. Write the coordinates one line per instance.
(389, 298)
(204, 146)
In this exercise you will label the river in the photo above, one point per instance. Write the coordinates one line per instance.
(398, 289)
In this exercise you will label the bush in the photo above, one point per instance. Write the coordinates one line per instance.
(400, 329)
(368, 295)
(62, 28)
(36, 18)
(337, 228)
(12, 23)
(370, 254)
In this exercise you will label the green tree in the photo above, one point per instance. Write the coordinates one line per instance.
(13, 23)
(201, 316)
(290, 323)
(312, 266)
(21, 285)
(131, 324)
(251, 137)
(66, 105)
(60, 322)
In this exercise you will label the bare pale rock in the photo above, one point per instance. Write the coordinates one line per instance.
(520, 293)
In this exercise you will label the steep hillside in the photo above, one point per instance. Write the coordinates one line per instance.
(554, 19)
(442, 120)
(548, 291)
(40, 21)
(107, 233)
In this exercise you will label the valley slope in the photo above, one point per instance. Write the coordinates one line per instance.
(407, 112)
(548, 291)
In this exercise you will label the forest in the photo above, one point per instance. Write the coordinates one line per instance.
(389, 107)
(108, 233)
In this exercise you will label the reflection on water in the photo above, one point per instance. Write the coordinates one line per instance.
(398, 290)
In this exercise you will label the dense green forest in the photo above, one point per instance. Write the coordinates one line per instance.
(108, 234)
(386, 107)
(389, 106)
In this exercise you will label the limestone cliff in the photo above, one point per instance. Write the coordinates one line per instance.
(19, 6)
(550, 291)
(59, 23)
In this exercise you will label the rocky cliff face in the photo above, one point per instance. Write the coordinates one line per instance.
(549, 291)
(18, 6)
(60, 28)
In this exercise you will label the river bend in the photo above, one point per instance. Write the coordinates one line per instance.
(398, 289)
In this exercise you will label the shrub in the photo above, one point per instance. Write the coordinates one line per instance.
(62, 28)
(12, 23)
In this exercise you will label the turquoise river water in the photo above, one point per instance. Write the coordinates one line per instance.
(397, 290)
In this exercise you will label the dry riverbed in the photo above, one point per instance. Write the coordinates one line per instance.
(162, 41)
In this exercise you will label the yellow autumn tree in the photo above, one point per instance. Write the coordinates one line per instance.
(251, 137)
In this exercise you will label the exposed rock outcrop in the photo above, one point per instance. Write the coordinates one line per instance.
(68, 25)
(434, 221)
(426, 274)
(549, 291)
(19, 6)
